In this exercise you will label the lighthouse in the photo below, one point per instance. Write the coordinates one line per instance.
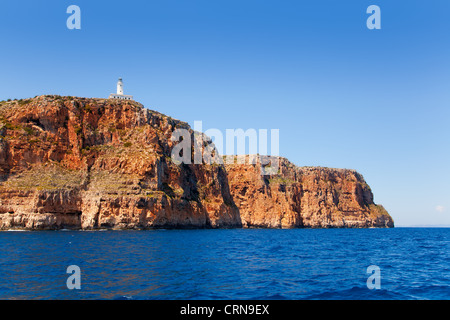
(119, 95)
(120, 87)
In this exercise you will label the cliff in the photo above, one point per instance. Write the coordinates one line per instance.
(310, 197)
(100, 163)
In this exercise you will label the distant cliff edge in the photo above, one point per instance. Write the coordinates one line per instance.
(84, 163)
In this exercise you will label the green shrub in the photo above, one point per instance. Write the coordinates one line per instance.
(28, 130)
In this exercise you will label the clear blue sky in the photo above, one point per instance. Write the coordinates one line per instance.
(342, 95)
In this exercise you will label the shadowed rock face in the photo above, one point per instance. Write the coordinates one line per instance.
(99, 163)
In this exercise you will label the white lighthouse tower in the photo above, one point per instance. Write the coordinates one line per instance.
(120, 87)
(119, 94)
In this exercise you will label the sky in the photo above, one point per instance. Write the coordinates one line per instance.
(341, 95)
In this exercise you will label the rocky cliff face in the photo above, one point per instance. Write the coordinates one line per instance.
(99, 163)
(311, 197)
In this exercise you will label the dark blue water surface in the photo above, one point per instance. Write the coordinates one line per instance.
(227, 264)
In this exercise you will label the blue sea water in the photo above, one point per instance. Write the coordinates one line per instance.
(227, 264)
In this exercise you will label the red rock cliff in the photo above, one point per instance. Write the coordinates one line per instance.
(99, 163)
(310, 197)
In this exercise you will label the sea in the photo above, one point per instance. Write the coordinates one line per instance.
(229, 264)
